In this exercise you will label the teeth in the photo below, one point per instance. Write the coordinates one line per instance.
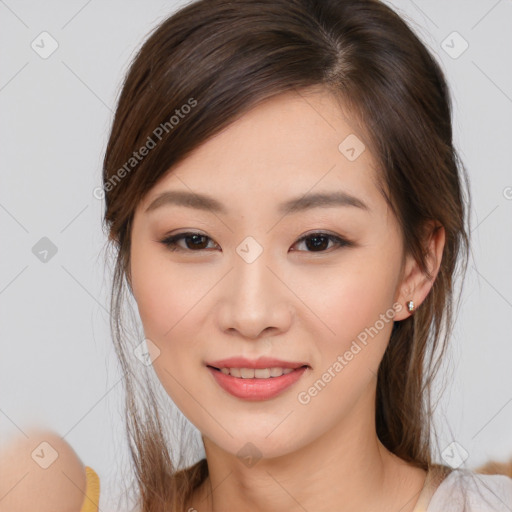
(259, 373)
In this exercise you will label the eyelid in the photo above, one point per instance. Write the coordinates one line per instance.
(320, 232)
(171, 241)
(339, 240)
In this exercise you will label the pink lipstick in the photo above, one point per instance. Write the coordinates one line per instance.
(260, 379)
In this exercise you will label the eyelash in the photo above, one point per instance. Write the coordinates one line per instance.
(171, 241)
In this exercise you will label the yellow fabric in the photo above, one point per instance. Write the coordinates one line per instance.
(92, 491)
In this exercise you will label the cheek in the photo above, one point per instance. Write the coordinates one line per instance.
(154, 297)
(360, 321)
(353, 311)
(165, 299)
(348, 298)
(164, 293)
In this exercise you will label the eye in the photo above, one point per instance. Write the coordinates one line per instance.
(197, 241)
(320, 241)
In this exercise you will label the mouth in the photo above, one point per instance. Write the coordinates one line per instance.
(271, 372)
(256, 380)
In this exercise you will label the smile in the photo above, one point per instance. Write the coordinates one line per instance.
(258, 373)
(256, 384)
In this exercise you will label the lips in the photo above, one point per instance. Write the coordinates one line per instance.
(268, 377)
(262, 362)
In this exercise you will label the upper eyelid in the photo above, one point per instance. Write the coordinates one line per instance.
(339, 239)
(317, 231)
(305, 235)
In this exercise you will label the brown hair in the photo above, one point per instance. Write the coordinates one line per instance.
(222, 58)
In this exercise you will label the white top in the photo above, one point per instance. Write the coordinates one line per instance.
(465, 491)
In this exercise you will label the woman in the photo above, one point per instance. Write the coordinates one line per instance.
(288, 212)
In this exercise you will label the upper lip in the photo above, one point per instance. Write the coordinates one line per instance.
(262, 362)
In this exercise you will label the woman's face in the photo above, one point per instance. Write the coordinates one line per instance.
(248, 285)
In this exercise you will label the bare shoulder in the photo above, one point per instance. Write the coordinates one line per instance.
(40, 472)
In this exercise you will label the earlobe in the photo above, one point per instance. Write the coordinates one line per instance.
(416, 284)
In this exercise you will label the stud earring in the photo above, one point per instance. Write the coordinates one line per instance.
(410, 306)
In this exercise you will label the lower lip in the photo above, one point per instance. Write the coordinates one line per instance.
(256, 389)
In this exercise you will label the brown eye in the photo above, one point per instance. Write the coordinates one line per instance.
(319, 242)
(197, 242)
(193, 242)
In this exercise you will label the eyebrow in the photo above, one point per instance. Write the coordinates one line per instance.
(207, 203)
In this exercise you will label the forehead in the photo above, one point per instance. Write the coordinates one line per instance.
(293, 144)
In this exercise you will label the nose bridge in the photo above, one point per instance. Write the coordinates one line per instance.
(253, 281)
(256, 299)
(251, 266)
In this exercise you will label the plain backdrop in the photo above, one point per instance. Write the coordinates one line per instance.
(57, 365)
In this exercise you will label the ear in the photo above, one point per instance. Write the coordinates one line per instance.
(415, 285)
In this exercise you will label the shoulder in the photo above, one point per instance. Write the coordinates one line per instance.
(41, 471)
(464, 490)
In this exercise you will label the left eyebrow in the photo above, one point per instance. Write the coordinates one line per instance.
(322, 200)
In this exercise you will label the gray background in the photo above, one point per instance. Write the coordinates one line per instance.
(58, 368)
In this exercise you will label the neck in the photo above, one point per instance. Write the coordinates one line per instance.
(347, 468)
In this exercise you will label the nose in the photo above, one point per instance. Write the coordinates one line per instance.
(255, 301)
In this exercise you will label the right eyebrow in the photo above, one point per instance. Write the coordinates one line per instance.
(187, 199)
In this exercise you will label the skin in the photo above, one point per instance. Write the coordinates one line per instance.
(294, 302)
(25, 484)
